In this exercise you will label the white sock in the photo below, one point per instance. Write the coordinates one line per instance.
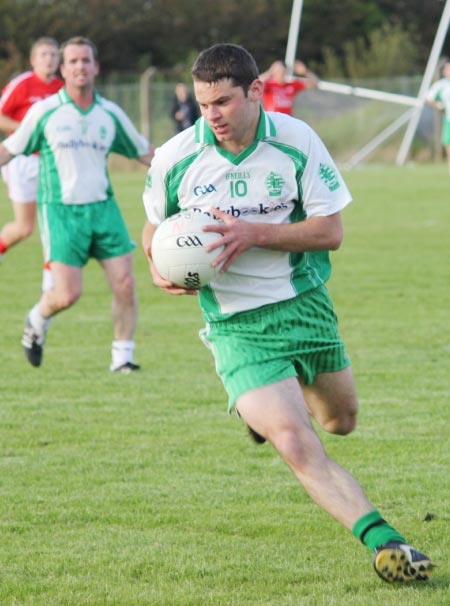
(38, 322)
(47, 280)
(121, 353)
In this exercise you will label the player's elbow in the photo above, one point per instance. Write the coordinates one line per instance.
(335, 242)
(335, 237)
(333, 232)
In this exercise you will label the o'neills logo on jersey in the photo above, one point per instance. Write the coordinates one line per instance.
(237, 176)
(192, 280)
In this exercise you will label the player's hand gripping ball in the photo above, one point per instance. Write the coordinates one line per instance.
(178, 249)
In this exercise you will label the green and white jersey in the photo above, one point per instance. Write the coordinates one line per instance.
(286, 175)
(74, 145)
(440, 91)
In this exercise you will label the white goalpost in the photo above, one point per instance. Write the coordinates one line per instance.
(426, 82)
(294, 29)
(411, 117)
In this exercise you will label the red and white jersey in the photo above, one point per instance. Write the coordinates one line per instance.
(281, 97)
(24, 90)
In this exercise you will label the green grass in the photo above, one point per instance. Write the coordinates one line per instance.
(141, 490)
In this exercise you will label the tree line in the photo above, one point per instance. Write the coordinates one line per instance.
(338, 38)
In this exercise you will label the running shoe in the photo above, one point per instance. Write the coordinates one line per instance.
(396, 562)
(33, 344)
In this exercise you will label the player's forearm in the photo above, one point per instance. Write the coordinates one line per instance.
(147, 236)
(315, 233)
(5, 156)
(434, 103)
(147, 158)
(7, 124)
(312, 79)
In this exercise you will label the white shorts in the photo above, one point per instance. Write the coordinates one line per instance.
(21, 178)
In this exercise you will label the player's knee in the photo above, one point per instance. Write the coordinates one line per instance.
(66, 298)
(297, 449)
(340, 425)
(126, 288)
(24, 230)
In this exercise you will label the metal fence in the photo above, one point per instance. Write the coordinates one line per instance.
(345, 123)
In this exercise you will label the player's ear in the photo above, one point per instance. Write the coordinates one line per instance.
(255, 90)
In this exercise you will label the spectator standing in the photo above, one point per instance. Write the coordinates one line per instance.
(439, 97)
(184, 108)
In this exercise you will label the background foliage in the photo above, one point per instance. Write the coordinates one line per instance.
(338, 37)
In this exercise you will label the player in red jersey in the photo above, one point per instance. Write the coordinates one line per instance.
(21, 174)
(280, 90)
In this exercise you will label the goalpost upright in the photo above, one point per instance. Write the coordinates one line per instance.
(430, 70)
(412, 115)
(294, 28)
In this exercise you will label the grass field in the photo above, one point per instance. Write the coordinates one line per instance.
(141, 490)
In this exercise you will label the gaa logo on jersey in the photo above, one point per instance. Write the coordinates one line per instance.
(274, 184)
(202, 190)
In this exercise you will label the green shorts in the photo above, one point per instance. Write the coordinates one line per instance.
(445, 135)
(73, 233)
(294, 338)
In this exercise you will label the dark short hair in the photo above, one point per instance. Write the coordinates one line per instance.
(79, 41)
(223, 62)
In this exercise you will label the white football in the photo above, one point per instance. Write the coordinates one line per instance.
(178, 249)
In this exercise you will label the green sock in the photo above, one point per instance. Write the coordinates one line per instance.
(373, 531)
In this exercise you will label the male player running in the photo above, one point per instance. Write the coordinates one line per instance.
(21, 174)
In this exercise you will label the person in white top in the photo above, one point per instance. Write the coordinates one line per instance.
(269, 319)
(74, 131)
(439, 97)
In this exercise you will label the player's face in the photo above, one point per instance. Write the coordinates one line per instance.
(232, 116)
(279, 72)
(45, 60)
(79, 67)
